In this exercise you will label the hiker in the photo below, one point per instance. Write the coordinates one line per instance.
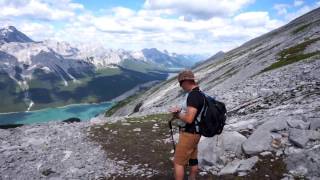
(186, 150)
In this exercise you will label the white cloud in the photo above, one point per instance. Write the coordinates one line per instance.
(299, 12)
(245, 26)
(292, 11)
(252, 19)
(281, 8)
(45, 31)
(122, 12)
(37, 9)
(161, 24)
(200, 9)
(297, 3)
(187, 36)
(111, 25)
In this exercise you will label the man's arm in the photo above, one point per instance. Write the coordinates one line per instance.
(188, 116)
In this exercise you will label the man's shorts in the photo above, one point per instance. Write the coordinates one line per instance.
(187, 148)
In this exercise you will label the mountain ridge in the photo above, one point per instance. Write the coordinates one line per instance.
(85, 52)
(48, 72)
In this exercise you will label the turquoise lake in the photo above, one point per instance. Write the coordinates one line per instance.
(82, 111)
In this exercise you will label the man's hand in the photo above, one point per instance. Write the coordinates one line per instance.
(175, 111)
(187, 116)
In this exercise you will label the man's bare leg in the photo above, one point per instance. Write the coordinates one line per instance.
(178, 171)
(193, 172)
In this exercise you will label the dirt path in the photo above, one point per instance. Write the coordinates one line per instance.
(138, 141)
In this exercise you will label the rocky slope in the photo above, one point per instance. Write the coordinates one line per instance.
(132, 148)
(271, 86)
(57, 150)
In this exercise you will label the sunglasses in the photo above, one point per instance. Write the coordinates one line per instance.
(180, 82)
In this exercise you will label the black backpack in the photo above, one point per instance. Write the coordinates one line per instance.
(213, 117)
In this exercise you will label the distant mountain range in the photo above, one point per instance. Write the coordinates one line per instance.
(97, 55)
(48, 73)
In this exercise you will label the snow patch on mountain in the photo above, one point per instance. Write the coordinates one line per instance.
(46, 69)
(63, 48)
(24, 51)
(30, 106)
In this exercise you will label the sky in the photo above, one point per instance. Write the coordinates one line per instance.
(181, 26)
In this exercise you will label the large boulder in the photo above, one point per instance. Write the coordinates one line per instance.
(299, 124)
(305, 163)
(314, 123)
(231, 167)
(261, 138)
(217, 149)
(10, 126)
(72, 120)
(300, 137)
(237, 165)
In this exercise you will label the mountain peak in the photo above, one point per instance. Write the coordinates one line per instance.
(8, 29)
(11, 34)
(11, 28)
(150, 50)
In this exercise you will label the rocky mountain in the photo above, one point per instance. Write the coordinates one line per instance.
(271, 87)
(150, 58)
(218, 55)
(173, 60)
(35, 75)
(11, 34)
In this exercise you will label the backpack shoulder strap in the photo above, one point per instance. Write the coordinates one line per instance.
(203, 109)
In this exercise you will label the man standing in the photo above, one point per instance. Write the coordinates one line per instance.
(186, 149)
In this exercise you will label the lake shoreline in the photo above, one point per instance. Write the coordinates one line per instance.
(84, 112)
(68, 105)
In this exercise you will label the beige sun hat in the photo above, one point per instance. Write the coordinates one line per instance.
(186, 75)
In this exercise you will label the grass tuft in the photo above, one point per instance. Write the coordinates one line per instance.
(293, 54)
(120, 104)
(301, 28)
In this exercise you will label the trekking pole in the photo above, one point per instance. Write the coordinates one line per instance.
(171, 132)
